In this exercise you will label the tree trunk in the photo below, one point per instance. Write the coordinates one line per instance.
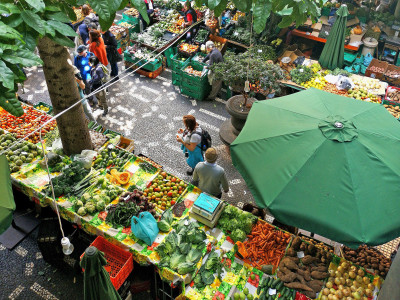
(63, 91)
(397, 11)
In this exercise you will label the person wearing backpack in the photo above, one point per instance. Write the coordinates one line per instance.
(99, 77)
(209, 176)
(191, 142)
(90, 19)
(113, 55)
(97, 46)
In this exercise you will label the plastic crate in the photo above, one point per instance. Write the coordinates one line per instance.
(202, 41)
(152, 75)
(119, 262)
(44, 104)
(198, 58)
(150, 66)
(192, 80)
(176, 78)
(178, 61)
(188, 54)
(130, 19)
(132, 29)
(198, 94)
(389, 101)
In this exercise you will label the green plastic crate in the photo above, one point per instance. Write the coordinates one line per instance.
(178, 62)
(200, 63)
(176, 78)
(150, 67)
(191, 79)
(129, 19)
(132, 29)
(111, 132)
(194, 93)
(44, 104)
(169, 54)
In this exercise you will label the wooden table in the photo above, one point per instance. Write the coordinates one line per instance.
(303, 34)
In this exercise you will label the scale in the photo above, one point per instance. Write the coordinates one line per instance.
(207, 209)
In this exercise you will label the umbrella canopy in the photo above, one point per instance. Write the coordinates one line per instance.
(324, 163)
(97, 283)
(332, 55)
(7, 204)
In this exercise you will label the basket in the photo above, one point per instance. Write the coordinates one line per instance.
(46, 105)
(119, 262)
(202, 41)
(125, 143)
(187, 54)
(199, 62)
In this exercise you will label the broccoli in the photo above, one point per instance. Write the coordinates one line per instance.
(58, 191)
(238, 235)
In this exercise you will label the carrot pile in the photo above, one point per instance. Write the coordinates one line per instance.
(265, 245)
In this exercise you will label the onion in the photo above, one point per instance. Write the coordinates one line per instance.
(359, 279)
(329, 284)
(323, 297)
(356, 296)
(366, 280)
(338, 274)
(349, 282)
(337, 281)
(339, 294)
(342, 280)
(353, 288)
(346, 292)
(352, 274)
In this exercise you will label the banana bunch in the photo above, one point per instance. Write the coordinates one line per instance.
(276, 42)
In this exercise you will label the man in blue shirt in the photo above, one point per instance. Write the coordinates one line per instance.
(82, 63)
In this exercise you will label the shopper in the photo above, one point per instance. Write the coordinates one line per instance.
(83, 33)
(96, 45)
(113, 56)
(214, 56)
(81, 88)
(190, 18)
(82, 63)
(90, 19)
(209, 176)
(96, 82)
(191, 142)
(150, 13)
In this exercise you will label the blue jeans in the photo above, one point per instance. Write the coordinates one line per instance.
(114, 69)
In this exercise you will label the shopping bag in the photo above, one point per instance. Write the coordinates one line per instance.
(145, 227)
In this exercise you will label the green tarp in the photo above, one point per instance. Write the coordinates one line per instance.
(324, 163)
(7, 204)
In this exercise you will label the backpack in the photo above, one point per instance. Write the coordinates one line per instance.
(106, 72)
(205, 140)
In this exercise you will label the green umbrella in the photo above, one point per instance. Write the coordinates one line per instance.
(97, 283)
(332, 55)
(324, 163)
(7, 204)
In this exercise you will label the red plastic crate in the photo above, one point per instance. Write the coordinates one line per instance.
(119, 262)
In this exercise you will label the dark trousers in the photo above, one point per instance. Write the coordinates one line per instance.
(114, 69)
(87, 90)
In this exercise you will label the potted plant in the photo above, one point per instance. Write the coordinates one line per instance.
(256, 66)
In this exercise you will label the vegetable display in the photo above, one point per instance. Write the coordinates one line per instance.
(205, 276)
(202, 34)
(265, 245)
(236, 223)
(191, 71)
(393, 94)
(394, 110)
(307, 273)
(188, 48)
(166, 221)
(183, 247)
(301, 74)
(18, 154)
(269, 284)
(97, 138)
(112, 156)
(30, 121)
(165, 190)
(368, 258)
(129, 205)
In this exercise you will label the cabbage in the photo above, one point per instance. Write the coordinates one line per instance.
(193, 256)
(85, 197)
(176, 259)
(208, 277)
(196, 236)
(164, 262)
(163, 226)
(185, 267)
(82, 211)
(212, 261)
(100, 206)
(90, 207)
(184, 248)
(238, 235)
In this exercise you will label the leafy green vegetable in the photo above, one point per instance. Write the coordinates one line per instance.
(238, 235)
(163, 226)
(176, 259)
(121, 214)
(193, 256)
(207, 277)
(184, 248)
(212, 261)
(186, 267)
(301, 74)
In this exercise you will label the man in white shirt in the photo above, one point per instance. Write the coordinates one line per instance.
(209, 176)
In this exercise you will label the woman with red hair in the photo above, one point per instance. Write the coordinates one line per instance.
(96, 45)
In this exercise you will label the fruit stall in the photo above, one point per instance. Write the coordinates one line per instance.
(241, 257)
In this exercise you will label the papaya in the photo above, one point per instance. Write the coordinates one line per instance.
(121, 177)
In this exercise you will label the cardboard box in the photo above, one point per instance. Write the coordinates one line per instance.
(316, 27)
(392, 79)
(315, 33)
(378, 64)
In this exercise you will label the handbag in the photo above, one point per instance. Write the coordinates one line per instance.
(145, 227)
(118, 57)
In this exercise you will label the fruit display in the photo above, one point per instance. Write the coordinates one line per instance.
(165, 190)
(394, 110)
(118, 31)
(132, 12)
(318, 244)
(142, 53)
(43, 108)
(148, 160)
(347, 281)
(112, 156)
(238, 15)
(371, 85)
(304, 268)
(212, 22)
(368, 258)
(393, 94)
(191, 71)
(188, 48)
(129, 204)
(318, 82)
(18, 154)
(176, 27)
(119, 178)
(363, 94)
(97, 138)
(30, 121)
(331, 88)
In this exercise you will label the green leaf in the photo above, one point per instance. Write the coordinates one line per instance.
(36, 4)
(68, 10)
(4, 9)
(12, 8)
(23, 57)
(19, 76)
(9, 32)
(63, 40)
(212, 4)
(49, 29)
(123, 4)
(8, 46)
(62, 28)
(286, 22)
(281, 4)
(13, 20)
(10, 103)
(262, 10)
(33, 21)
(58, 16)
(141, 7)
(6, 76)
(243, 5)
(52, 8)
(30, 38)
(220, 8)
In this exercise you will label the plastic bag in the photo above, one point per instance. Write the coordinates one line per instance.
(85, 158)
(57, 146)
(145, 227)
(367, 59)
(299, 60)
(344, 83)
